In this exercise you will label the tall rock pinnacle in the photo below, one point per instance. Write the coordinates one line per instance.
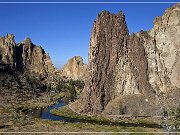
(108, 40)
(75, 69)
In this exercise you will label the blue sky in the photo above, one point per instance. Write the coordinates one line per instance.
(63, 30)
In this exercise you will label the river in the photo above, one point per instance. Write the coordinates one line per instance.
(44, 113)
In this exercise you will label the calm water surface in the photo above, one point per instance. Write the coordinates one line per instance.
(44, 113)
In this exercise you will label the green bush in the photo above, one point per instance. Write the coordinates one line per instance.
(122, 110)
(70, 87)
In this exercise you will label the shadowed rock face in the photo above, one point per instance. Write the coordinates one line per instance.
(128, 71)
(74, 69)
(108, 42)
(16, 87)
(25, 69)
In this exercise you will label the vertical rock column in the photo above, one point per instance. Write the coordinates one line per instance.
(108, 40)
(7, 50)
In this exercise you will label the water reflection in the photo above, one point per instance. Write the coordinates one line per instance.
(44, 113)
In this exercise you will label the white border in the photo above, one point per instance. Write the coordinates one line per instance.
(39, 2)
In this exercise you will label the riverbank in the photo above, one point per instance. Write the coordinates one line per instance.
(11, 113)
(131, 124)
(13, 121)
(46, 126)
(19, 122)
(43, 101)
(16, 121)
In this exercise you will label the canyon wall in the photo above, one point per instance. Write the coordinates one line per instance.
(74, 69)
(132, 74)
(25, 56)
(25, 69)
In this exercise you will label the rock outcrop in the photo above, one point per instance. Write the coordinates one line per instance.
(7, 50)
(25, 69)
(132, 74)
(74, 69)
(107, 43)
(25, 56)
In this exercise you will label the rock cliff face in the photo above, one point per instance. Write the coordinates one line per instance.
(25, 56)
(25, 69)
(107, 44)
(130, 74)
(7, 50)
(18, 87)
(74, 69)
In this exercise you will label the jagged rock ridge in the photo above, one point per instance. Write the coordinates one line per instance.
(127, 72)
(107, 42)
(25, 69)
(74, 69)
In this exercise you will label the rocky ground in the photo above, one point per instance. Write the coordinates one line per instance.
(139, 72)
(52, 126)
(74, 69)
(13, 120)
